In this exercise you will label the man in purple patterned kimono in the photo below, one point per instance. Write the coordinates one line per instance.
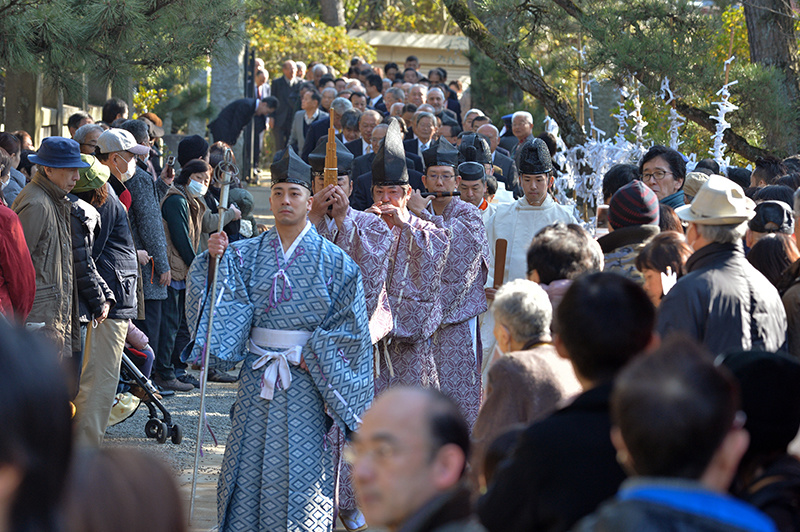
(362, 236)
(455, 343)
(417, 258)
(291, 305)
(367, 240)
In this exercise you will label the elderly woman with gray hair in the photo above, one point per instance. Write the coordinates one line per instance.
(528, 379)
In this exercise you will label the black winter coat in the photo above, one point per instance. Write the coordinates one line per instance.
(91, 288)
(564, 466)
(724, 303)
(115, 256)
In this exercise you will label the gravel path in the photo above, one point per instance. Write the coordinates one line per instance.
(184, 409)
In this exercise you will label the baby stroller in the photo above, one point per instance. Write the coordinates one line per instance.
(160, 429)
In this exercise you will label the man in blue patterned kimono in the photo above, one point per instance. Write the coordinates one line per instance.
(291, 304)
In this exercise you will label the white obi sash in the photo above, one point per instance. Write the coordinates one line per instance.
(291, 342)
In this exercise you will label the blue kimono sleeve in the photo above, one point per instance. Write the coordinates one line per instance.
(339, 352)
(233, 312)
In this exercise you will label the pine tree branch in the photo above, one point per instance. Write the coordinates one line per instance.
(19, 4)
(735, 142)
(523, 75)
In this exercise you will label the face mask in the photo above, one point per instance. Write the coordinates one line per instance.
(196, 188)
(131, 170)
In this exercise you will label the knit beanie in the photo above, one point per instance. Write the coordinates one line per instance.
(191, 147)
(633, 204)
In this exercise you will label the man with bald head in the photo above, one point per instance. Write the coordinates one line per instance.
(285, 89)
(409, 459)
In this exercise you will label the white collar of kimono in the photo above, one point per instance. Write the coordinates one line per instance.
(289, 252)
(548, 202)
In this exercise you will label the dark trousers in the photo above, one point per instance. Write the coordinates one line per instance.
(172, 315)
(151, 324)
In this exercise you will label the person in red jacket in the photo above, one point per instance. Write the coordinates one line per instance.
(17, 276)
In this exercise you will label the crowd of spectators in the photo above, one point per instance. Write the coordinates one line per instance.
(640, 378)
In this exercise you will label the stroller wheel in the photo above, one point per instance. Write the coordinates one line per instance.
(151, 427)
(177, 434)
(162, 433)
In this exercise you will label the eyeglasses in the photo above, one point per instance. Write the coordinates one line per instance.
(658, 175)
(381, 453)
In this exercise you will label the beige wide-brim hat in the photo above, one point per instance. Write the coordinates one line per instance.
(719, 201)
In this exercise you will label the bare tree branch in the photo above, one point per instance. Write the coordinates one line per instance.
(527, 78)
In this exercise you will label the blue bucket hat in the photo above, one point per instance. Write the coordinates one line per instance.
(59, 152)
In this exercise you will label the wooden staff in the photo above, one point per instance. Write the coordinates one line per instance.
(500, 248)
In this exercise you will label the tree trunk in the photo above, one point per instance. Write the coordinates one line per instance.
(773, 43)
(524, 76)
(770, 32)
(332, 12)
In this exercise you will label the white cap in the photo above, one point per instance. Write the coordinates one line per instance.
(114, 140)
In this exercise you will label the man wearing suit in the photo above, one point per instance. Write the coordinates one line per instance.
(361, 172)
(507, 140)
(425, 128)
(309, 113)
(506, 163)
(319, 128)
(236, 115)
(284, 89)
(366, 123)
(522, 127)
(374, 96)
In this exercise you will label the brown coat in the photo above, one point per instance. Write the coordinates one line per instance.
(197, 209)
(44, 212)
(521, 387)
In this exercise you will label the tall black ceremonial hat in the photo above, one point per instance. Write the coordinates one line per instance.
(291, 169)
(441, 153)
(471, 171)
(344, 158)
(389, 165)
(474, 148)
(533, 158)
